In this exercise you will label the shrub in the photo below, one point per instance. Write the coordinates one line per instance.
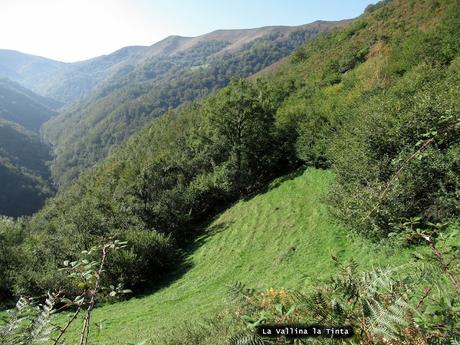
(399, 157)
(147, 257)
(11, 235)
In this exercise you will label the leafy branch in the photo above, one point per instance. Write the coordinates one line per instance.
(88, 275)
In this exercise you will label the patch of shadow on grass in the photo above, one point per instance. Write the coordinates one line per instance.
(202, 231)
(275, 183)
(184, 262)
(216, 228)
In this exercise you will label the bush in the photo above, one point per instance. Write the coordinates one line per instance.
(11, 236)
(148, 256)
(399, 158)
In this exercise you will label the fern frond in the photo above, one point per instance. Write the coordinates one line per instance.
(318, 306)
(41, 328)
(386, 321)
(238, 292)
(28, 324)
(247, 339)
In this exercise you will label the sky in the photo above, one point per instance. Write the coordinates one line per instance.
(74, 30)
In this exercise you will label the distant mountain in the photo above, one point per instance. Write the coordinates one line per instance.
(29, 70)
(65, 82)
(24, 174)
(128, 88)
(22, 106)
(68, 82)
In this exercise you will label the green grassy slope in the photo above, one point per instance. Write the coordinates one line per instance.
(282, 237)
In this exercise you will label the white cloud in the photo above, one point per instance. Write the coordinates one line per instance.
(70, 30)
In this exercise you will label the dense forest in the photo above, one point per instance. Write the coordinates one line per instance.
(375, 102)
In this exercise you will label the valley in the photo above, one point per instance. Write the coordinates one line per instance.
(192, 191)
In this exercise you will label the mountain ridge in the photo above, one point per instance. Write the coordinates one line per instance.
(229, 34)
(55, 76)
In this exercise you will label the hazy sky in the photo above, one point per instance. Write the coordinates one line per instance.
(71, 30)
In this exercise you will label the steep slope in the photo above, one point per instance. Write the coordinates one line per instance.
(22, 106)
(283, 237)
(24, 174)
(142, 83)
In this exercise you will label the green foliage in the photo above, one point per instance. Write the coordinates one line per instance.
(11, 236)
(30, 324)
(23, 170)
(397, 159)
(378, 102)
(357, 100)
(147, 257)
(241, 130)
(382, 306)
(87, 277)
(188, 166)
(440, 46)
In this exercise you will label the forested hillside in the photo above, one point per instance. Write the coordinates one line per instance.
(24, 174)
(375, 102)
(139, 84)
(172, 71)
